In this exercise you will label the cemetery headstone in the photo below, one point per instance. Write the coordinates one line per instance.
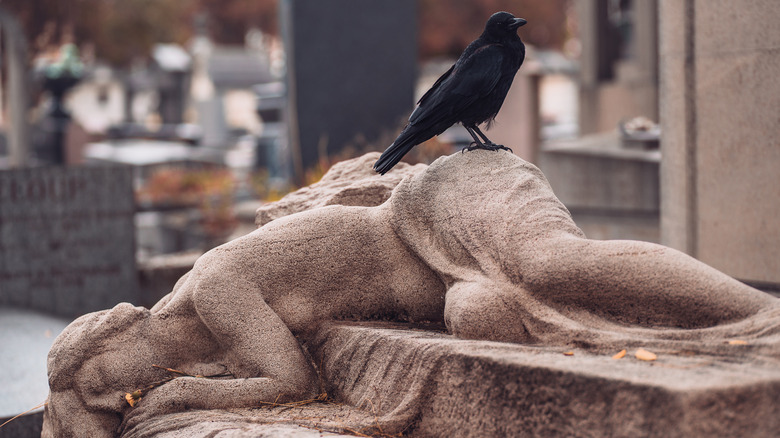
(67, 243)
(351, 72)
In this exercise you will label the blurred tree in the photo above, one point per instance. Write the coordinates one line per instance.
(229, 20)
(121, 31)
(448, 26)
(118, 30)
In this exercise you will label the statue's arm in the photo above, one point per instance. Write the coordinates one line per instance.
(186, 393)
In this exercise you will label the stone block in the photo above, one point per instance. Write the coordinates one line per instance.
(389, 377)
(738, 182)
(432, 384)
(719, 94)
(67, 242)
(725, 26)
(595, 173)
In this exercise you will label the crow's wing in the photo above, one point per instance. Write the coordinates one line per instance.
(460, 87)
(436, 84)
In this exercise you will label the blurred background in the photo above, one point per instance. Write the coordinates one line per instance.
(137, 134)
(219, 102)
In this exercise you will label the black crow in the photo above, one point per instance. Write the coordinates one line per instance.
(470, 92)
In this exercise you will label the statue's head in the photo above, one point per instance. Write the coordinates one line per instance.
(86, 338)
(84, 399)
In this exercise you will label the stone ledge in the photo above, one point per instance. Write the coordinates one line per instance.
(595, 172)
(432, 384)
(419, 381)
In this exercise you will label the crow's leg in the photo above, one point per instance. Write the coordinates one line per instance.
(494, 146)
(477, 143)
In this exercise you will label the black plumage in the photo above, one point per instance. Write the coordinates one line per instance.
(470, 93)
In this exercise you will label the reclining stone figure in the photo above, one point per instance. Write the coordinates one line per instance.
(476, 240)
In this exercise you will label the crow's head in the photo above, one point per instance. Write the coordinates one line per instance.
(502, 24)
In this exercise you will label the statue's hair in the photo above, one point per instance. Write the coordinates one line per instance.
(84, 338)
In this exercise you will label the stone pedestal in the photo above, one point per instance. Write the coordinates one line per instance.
(425, 383)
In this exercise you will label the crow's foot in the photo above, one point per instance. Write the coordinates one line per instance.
(495, 147)
(488, 147)
(472, 146)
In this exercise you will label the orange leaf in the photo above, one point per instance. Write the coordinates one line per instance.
(568, 353)
(643, 354)
(133, 398)
(130, 400)
(620, 355)
(737, 342)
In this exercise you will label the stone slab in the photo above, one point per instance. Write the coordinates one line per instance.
(478, 388)
(67, 243)
(459, 388)
(596, 173)
(26, 339)
(320, 419)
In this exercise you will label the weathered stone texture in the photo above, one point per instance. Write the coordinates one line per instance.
(476, 242)
(719, 95)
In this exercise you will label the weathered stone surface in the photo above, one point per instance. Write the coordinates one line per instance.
(424, 382)
(67, 243)
(434, 384)
(309, 420)
(476, 240)
(353, 182)
(719, 174)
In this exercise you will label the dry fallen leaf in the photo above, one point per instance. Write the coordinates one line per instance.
(737, 342)
(568, 353)
(133, 398)
(620, 355)
(643, 354)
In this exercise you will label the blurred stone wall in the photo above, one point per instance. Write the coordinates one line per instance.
(720, 112)
(67, 239)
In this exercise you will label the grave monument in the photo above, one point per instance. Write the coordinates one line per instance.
(508, 319)
(67, 239)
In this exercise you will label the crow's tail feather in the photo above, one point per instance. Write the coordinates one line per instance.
(391, 156)
(408, 139)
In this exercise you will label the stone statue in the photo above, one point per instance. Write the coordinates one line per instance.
(476, 240)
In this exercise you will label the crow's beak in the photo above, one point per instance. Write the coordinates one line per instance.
(518, 22)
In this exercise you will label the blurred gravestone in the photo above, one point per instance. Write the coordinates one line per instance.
(67, 244)
(351, 71)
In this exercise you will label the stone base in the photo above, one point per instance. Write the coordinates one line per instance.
(432, 384)
(319, 419)
(420, 381)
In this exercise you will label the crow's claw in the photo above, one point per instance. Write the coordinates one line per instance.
(486, 146)
(472, 146)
